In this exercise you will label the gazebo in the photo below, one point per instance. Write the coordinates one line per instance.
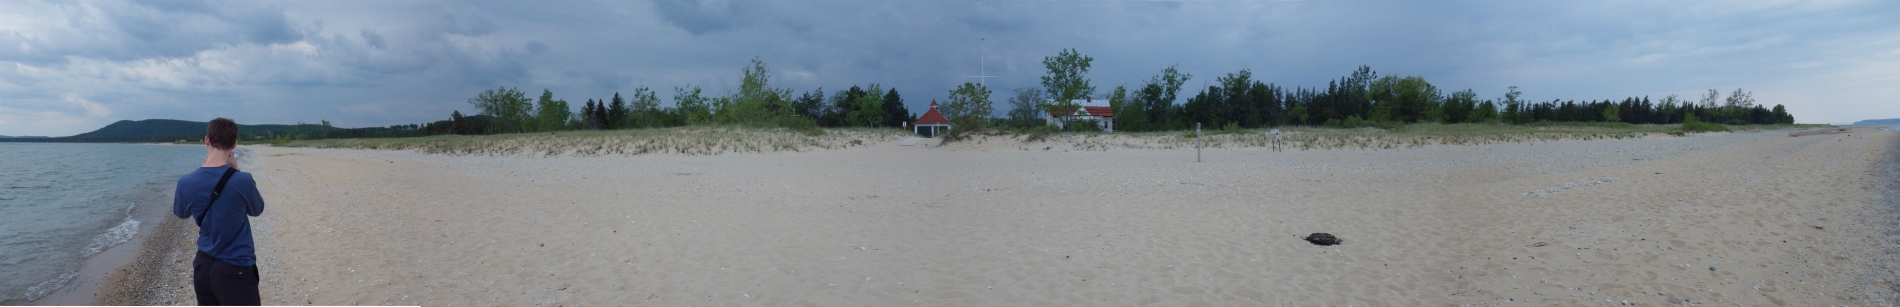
(931, 124)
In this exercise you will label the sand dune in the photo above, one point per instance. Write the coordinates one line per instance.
(1750, 218)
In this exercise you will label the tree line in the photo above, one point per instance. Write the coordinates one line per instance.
(1362, 98)
(754, 102)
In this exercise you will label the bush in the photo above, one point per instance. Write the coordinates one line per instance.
(1085, 126)
(801, 124)
(1691, 124)
(1356, 122)
(1617, 125)
(1231, 128)
(1703, 127)
(280, 140)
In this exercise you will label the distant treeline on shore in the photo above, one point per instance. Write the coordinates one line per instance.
(1234, 101)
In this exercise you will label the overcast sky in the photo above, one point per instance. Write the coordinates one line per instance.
(69, 67)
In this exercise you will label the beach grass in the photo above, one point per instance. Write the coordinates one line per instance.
(709, 140)
(690, 140)
(1405, 136)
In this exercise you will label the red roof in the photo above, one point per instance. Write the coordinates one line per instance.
(1092, 111)
(932, 117)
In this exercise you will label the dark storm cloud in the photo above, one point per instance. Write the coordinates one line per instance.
(68, 67)
(697, 17)
(177, 28)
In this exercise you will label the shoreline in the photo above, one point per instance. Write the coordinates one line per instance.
(1885, 260)
(150, 268)
(154, 278)
(102, 274)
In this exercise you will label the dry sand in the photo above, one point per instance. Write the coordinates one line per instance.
(1721, 219)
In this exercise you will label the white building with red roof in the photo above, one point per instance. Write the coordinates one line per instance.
(931, 124)
(1080, 112)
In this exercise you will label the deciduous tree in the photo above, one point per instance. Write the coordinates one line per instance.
(510, 108)
(1067, 78)
(551, 113)
(692, 105)
(1023, 107)
(868, 109)
(969, 107)
(645, 106)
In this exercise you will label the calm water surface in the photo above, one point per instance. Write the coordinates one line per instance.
(65, 202)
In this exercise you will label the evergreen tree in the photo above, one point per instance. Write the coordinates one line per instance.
(457, 124)
(1459, 107)
(616, 113)
(600, 115)
(1486, 112)
(587, 115)
(895, 113)
(811, 105)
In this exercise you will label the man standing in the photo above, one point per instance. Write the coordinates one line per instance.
(218, 197)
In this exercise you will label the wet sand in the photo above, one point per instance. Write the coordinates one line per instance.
(107, 278)
(1757, 218)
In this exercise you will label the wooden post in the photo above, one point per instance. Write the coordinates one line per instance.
(1276, 140)
(1197, 142)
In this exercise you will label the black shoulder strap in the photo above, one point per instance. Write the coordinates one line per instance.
(215, 192)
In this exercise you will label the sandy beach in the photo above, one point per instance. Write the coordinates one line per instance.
(1755, 219)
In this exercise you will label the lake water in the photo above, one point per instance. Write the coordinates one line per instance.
(64, 202)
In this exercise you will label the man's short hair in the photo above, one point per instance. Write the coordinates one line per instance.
(222, 133)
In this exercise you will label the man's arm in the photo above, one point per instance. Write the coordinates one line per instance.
(181, 204)
(254, 201)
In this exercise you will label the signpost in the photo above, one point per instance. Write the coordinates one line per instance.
(1276, 139)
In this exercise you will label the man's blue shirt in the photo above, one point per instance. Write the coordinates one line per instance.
(226, 232)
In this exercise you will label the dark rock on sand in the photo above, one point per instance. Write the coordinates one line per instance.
(1323, 239)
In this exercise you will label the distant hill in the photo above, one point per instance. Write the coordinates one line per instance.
(1877, 122)
(144, 129)
(161, 130)
(21, 137)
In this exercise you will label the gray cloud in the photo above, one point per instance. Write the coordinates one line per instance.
(697, 16)
(374, 40)
(472, 27)
(69, 67)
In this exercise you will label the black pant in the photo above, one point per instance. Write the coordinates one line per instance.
(222, 284)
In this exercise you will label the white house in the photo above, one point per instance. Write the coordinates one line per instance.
(1102, 117)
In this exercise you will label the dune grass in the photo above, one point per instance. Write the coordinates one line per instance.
(1406, 136)
(712, 140)
(691, 140)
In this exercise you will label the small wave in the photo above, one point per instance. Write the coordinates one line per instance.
(114, 236)
(35, 292)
